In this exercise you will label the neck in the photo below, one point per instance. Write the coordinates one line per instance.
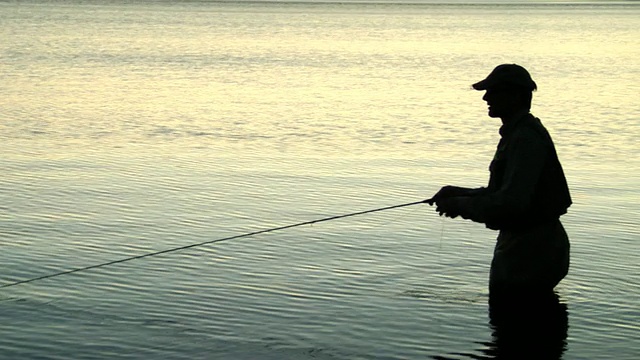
(514, 116)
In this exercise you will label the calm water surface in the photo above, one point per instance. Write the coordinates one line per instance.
(133, 128)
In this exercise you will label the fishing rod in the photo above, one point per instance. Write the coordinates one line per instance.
(429, 201)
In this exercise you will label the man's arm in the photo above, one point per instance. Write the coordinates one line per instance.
(526, 158)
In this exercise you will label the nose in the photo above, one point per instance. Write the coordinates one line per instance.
(485, 97)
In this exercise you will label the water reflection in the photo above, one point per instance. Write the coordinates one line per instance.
(523, 327)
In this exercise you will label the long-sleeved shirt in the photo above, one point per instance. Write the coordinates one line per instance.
(527, 185)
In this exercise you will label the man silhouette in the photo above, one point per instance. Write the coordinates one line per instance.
(526, 194)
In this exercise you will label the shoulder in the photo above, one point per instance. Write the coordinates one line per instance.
(531, 129)
(530, 138)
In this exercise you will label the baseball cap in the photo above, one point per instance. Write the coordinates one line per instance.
(507, 74)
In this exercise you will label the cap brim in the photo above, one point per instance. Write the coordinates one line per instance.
(482, 85)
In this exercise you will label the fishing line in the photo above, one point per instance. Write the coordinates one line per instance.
(207, 243)
(441, 234)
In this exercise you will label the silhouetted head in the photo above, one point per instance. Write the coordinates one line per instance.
(509, 90)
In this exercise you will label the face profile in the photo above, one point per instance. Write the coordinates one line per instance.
(501, 101)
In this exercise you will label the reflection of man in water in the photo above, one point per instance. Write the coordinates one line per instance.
(532, 329)
(526, 195)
